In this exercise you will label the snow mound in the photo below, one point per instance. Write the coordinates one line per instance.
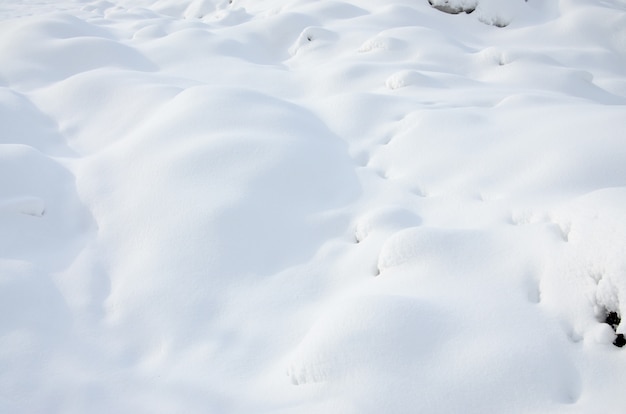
(298, 206)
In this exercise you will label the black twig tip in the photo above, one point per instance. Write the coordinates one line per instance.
(613, 319)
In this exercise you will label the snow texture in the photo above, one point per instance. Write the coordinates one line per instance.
(239, 206)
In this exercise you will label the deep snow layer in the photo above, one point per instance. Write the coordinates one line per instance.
(312, 206)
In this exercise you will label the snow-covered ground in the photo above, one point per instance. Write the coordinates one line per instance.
(304, 206)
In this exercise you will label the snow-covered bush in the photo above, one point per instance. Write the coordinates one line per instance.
(454, 6)
(493, 12)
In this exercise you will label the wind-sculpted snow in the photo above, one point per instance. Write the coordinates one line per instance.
(297, 206)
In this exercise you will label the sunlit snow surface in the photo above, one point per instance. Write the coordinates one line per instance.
(302, 206)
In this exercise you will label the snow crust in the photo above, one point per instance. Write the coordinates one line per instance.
(301, 206)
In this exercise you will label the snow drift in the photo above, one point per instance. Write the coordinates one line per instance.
(345, 207)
